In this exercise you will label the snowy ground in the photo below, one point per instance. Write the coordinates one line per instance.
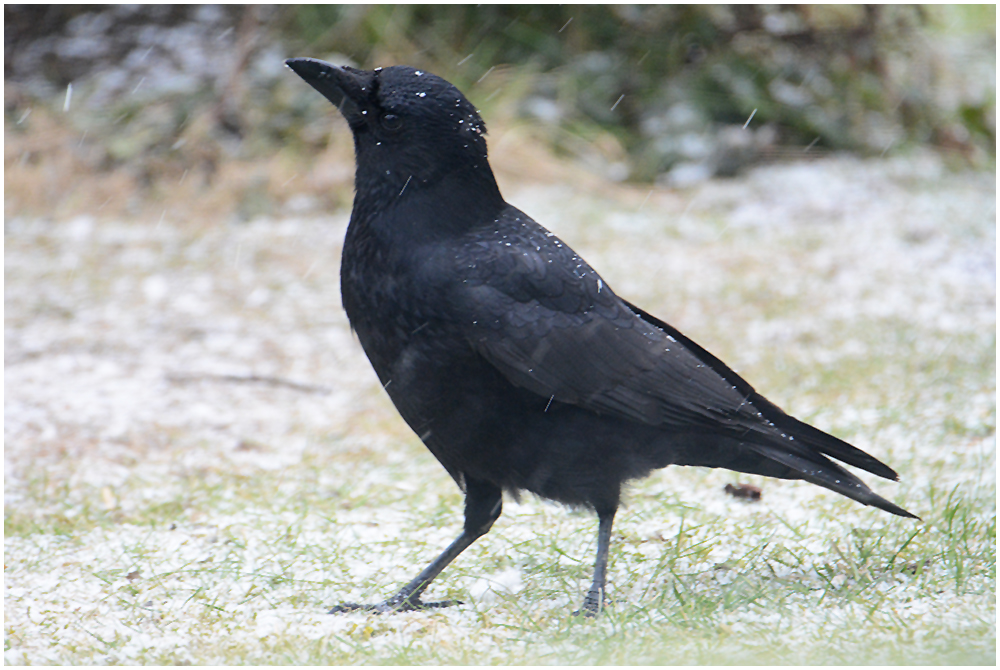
(199, 460)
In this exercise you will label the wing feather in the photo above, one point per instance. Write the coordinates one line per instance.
(548, 322)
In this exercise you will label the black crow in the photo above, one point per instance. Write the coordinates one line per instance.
(514, 362)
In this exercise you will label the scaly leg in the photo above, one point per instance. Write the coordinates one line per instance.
(594, 602)
(483, 504)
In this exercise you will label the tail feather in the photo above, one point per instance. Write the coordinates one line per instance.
(823, 472)
(806, 454)
(809, 435)
(824, 442)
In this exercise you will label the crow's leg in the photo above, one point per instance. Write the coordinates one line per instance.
(594, 602)
(483, 504)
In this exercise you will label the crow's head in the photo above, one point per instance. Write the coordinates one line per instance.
(409, 125)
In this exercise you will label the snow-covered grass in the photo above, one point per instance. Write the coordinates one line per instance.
(199, 461)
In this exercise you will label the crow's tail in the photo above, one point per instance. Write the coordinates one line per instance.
(817, 469)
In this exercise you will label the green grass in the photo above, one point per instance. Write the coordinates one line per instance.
(771, 602)
(222, 536)
(817, 589)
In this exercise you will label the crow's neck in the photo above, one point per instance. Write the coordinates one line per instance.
(409, 209)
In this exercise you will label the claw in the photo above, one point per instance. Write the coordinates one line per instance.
(592, 606)
(343, 608)
(588, 610)
(393, 605)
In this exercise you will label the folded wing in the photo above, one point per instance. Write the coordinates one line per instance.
(550, 324)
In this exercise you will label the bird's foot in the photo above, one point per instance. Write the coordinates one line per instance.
(393, 605)
(593, 605)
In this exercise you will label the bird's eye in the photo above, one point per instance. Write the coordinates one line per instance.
(391, 122)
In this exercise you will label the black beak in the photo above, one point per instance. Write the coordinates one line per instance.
(347, 88)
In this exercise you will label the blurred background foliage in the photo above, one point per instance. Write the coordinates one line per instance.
(118, 108)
